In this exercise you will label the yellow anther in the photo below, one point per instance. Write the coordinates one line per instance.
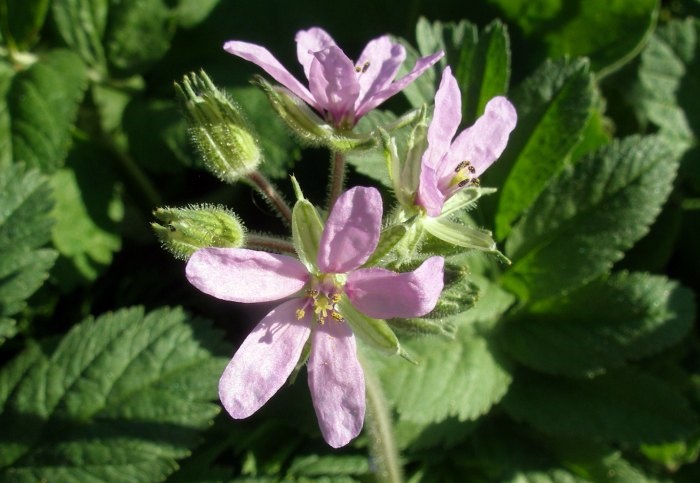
(337, 316)
(335, 298)
(300, 314)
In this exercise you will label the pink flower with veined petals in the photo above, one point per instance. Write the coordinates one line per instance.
(342, 91)
(447, 165)
(269, 354)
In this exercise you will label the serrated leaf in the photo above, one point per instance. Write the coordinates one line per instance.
(634, 315)
(553, 105)
(87, 212)
(315, 466)
(139, 33)
(609, 32)
(129, 392)
(462, 377)
(21, 20)
(6, 75)
(81, 24)
(25, 200)
(622, 406)
(43, 104)
(588, 216)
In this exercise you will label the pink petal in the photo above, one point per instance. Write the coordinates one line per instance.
(446, 119)
(482, 143)
(337, 383)
(241, 275)
(262, 57)
(421, 66)
(384, 294)
(429, 195)
(310, 41)
(264, 361)
(378, 64)
(352, 230)
(333, 84)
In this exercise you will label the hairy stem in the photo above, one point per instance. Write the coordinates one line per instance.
(337, 178)
(382, 445)
(268, 191)
(269, 243)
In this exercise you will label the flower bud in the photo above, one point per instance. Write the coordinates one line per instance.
(183, 231)
(307, 124)
(221, 133)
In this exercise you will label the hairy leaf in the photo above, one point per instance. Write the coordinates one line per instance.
(619, 406)
(43, 104)
(21, 20)
(118, 399)
(633, 316)
(553, 105)
(81, 24)
(25, 201)
(588, 216)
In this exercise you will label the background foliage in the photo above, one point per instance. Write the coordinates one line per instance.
(579, 362)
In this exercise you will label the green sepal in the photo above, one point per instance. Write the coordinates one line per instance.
(421, 326)
(307, 229)
(388, 239)
(223, 136)
(183, 231)
(464, 199)
(375, 332)
(460, 235)
(306, 123)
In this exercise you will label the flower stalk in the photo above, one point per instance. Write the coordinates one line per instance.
(263, 185)
(337, 177)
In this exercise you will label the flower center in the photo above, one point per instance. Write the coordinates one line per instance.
(464, 175)
(323, 297)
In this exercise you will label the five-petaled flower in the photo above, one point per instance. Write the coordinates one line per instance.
(447, 165)
(269, 354)
(340, 90)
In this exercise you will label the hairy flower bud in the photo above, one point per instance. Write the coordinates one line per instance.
(217, 125)
(183, 231)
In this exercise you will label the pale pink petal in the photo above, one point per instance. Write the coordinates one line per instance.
(333, 84)
(242, 275)
(262, 57)
(446, 119)
(309, 41)
(264, 361)
(482, 143)
(421, 66)
(377, 66)
(337, 383)
(429, 195)
(384, 294)
(352, 230)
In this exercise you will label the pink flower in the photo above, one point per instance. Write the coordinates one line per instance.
(447, 165)
(269, 354)
(340, 90)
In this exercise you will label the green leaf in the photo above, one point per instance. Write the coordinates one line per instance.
(6, 75)
(315, 466)
(462, 377)
(481, 62)
(21, 20)
(81, 24)
(588, 216)
(87, 212)
(119, 399)
(622, 406)
(554, 105)
(610, 32)
(634, 316)
(666, 93)
(43, 104)
(139, 34)
(483, 71)
(190, 13)
(25, 201)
